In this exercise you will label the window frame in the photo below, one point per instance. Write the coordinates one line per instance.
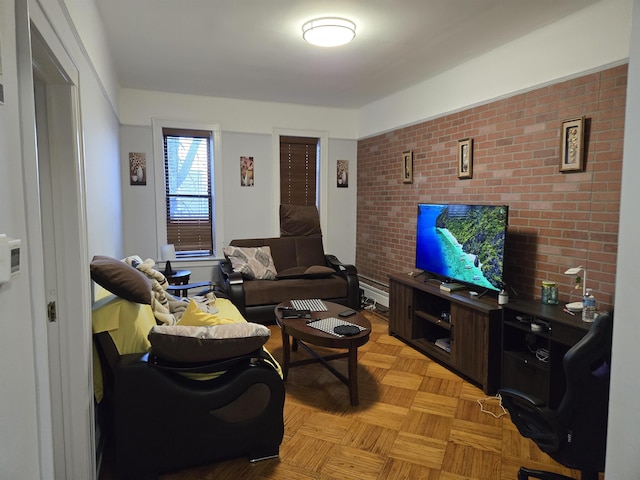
(322, 180)
(216, 182)
(311, 180)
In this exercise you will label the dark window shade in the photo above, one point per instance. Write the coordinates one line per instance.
(188, 194)
(298, 158)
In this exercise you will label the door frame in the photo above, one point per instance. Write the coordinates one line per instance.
(39, 47)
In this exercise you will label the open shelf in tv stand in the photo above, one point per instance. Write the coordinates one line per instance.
(415, 316)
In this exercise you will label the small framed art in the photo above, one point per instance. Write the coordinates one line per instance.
(572, 145)
(137, 168)
(407, 166)
(342, 172)
(465, 158)
(246, 172)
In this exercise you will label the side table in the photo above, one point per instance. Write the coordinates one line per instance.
(179, 277)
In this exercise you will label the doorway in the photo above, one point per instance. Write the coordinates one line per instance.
(57, 240)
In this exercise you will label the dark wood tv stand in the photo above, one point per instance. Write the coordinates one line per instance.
(416, 309)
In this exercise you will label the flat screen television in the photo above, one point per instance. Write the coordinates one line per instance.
(462, 243)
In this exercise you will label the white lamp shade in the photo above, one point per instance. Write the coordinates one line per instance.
(576, 271)
(329, 31)
(168, 252)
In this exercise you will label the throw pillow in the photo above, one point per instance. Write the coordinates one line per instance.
(293, 272)
(255, 263)
(184, 344)
(120, 279)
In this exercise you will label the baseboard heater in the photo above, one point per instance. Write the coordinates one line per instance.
(373, 292)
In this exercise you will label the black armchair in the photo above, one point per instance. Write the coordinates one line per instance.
(575, 434)
(161, 419)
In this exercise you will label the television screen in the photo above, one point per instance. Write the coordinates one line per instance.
(462, 243)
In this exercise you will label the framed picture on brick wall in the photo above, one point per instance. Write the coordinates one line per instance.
(572, 145)
(465, 158)
(407, 167)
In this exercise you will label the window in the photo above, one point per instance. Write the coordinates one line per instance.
(188, 190)
(298, 170)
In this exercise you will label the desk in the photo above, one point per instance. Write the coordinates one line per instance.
(179, 277)
(532, 357)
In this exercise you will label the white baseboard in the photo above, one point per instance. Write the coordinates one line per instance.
(380, 296)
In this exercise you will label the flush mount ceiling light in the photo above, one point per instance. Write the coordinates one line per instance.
(329, 31)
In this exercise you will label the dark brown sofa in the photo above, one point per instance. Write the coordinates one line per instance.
(297, 260)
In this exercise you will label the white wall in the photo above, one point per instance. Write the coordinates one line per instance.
(247, 130)
(589, 39)
(19, 451)
(26, 449)
(137, 107)
(623, 443)
(248, 211)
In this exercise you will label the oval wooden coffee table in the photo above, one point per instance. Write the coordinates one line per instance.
(302, 334)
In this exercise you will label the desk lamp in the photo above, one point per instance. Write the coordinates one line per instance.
(168, 253)
(577, 306)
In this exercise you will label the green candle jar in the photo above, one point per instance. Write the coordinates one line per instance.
(549, 293)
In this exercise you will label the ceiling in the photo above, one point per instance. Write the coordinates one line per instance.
(253, 49)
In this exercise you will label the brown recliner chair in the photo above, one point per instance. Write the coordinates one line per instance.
(303, 269)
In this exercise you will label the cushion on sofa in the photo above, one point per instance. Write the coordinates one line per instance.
(120, 279)
(262, 292)
(296, 220)
(255, 263)
(314, 271)
(189, 344)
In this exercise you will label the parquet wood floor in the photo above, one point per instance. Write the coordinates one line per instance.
(416, 420)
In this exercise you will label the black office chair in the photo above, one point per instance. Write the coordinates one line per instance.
(575, 434)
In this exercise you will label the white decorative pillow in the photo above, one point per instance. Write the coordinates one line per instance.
(253, 262)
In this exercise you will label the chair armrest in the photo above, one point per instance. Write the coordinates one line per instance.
(350, 274)
(227, 274)
(521, 397)
(232, 284)
(337, 265)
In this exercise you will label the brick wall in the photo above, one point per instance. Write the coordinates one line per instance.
(556, 220)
